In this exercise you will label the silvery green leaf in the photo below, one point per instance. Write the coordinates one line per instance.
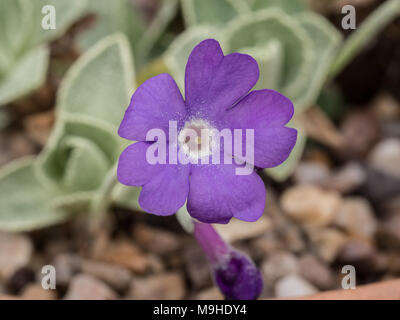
(77, 202)
(285, 170)
(66, 13)
(78, 155)
(25, 203)
(15, 18)
(25, 76)
(178, 53)
(153, 32)
(211, 12)
(257, 29)
(289, 6)
(326, 40)
(126, 197)
(86, 165)
(111, 17)
(100, 83)
(269, 60)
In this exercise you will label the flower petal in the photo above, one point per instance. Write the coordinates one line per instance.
(213, 82)
(165, 186)
(133, 168)
(266, 112)
(217, 194)
(156, 102)
(167, 192)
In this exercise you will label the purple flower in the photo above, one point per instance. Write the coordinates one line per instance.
(216, 98)
(235, 274)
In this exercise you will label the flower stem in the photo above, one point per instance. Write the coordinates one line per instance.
(210, 241)
(381, 17)
(102, 200)
(185, 220)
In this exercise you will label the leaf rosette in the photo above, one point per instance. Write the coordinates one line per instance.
(83, 148)
(24, 53)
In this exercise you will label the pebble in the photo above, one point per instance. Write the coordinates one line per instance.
(167, 286)
(346, 179)
(379, 186)
(115, 276)
(237, 230)
(66, 265)
(293, 286)
(292, 238)
(327, 242)
(310, 205)
(316, 272)
(212, 293)
(361, 254)
(308, 172)
(87, 287)
(279, 264)
(389, 232)
(267, 243)
(15, 253)
(385, 156)
(355, 215)
(155, 240)
(126, 254)
(197, 267)
(360, 130)
(36, 292)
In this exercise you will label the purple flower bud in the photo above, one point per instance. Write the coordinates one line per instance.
(236, 275)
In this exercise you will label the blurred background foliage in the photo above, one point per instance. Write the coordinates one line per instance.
(102, 50)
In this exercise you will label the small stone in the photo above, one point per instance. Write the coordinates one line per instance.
(267, 243)
(279, 264)
(308, 172)
(355, 215)
(36, 292)
(292, 238)
(385, 156)
(310, 205)
(212, 293)
(87, 287)
(241, 230)
(327, 242)
(346, 179)
(389, 232)
(379, 186)
(66, 265)
(316, 272)
(293, 286)
(20, 279)
(167, 286)
(197, 267)
(156, 240)
(15, 253)
(127, 255)
(115, 276)
(386, 107)
(361, 254)
(360, 130)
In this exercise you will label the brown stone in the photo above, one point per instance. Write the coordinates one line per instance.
(15, 253)
(310, 205)
(167, 286)
(87, 287)
(155, 240)
(127, 255)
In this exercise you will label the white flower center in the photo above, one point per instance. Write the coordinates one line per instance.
(196, 139)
